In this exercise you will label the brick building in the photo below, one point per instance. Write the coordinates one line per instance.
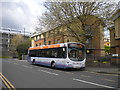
(94, 33)
(115, 36)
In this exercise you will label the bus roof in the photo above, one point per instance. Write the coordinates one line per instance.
(51, 46)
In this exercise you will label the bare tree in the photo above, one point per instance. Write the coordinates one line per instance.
(64, 13)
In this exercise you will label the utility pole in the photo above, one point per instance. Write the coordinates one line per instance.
(24, 31)
(44, 38)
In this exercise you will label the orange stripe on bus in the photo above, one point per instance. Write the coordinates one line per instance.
(50, 46)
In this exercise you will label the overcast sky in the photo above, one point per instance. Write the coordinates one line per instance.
(20, 14)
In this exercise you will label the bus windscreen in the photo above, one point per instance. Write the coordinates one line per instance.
(76, 52)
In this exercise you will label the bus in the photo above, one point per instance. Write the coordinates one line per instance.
(63, 55)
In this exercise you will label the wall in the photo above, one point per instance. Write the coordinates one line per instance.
(115, 37)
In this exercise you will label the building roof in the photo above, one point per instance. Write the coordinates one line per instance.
(13, 31)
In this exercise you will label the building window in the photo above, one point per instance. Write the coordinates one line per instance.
(34, 38)
(36, 45)
(58, 40)
(39, 36)
(39, 43)
(68, 40)
(114, 34)
(58, 32)
(51, 33)
(61, 29)
(49, 42)
(42, 36)
(47, 34)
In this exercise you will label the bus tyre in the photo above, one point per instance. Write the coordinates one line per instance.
(33, 62)
(53, 64)
(82, 69)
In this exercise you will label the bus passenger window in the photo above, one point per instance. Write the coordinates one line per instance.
(55, 54)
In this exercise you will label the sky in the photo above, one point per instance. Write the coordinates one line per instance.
(20, 14)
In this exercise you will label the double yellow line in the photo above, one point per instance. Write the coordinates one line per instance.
(6, 82)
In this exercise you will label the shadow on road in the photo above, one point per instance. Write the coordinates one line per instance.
(61, 69)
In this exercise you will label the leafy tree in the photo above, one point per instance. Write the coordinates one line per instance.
(107, 50)
(19, 44)
(22, 49)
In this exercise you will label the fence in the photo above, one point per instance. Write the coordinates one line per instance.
(24, 57)
(97, 59)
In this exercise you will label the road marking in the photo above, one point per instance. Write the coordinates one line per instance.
(20, 60)
(109, 80)
(102, 73)
(111, 74)
(16, 63)
(91, 72)
(6, 82)
(58, 70)
(85, 76)
(69, 72)
(48, 72)
(35, 66)
(27, 66)
(92, 83)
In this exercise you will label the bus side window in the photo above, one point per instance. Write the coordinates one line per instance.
(39, 53)
(61, 53)
(32, 53)
(55, 54)
(52, 55)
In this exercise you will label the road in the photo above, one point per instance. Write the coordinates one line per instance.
(23, 75)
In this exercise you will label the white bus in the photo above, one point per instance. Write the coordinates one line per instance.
(63, 55)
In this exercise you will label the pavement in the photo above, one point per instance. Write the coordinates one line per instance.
(103, 67)
(108, 70)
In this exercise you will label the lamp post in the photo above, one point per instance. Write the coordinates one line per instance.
(44, 38)
(24, 31)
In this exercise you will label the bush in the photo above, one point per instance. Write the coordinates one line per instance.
(107, 50)
(22, 49)
(104, 59)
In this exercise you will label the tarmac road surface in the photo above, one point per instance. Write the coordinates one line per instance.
(21, 74)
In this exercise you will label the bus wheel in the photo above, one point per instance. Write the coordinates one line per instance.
(83, 69)
(53, 64)
(33, 62)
